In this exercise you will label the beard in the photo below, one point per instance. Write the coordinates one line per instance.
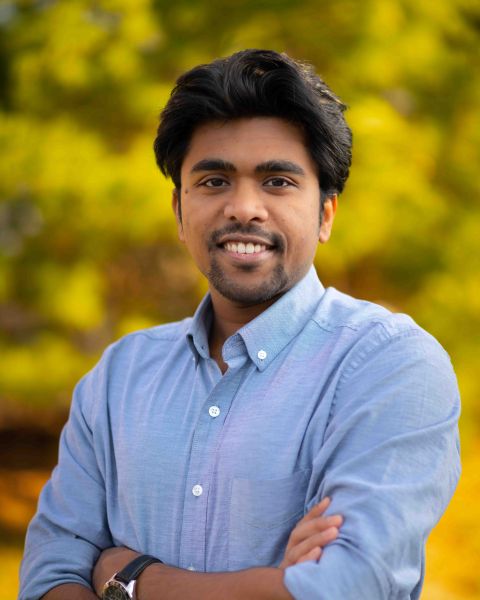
(232, 289)
(246, 295)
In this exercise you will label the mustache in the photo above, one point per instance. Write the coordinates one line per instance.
(270, 238)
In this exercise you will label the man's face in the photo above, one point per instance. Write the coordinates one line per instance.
(250, 204)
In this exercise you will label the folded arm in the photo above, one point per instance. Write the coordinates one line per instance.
(306, 542)
(390, 462)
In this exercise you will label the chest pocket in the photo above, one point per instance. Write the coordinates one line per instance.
(262, 515)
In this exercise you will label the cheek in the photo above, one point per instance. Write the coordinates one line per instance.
(195, 231)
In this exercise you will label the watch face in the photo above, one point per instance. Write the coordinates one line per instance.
(114, 590)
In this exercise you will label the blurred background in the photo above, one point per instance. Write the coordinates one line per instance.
(88, 249)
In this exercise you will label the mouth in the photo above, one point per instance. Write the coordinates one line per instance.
(245, 248)
(239, 247)
(250, 245)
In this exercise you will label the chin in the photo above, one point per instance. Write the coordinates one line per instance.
(269, 288)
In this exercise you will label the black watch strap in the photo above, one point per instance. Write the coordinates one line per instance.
(134, 568)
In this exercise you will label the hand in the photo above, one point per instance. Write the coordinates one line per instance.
(110, 562)
(310, 535)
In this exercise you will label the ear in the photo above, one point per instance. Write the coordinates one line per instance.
(176, 206)
(329, 210)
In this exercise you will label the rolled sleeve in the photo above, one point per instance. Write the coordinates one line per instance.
(390, 463)
(70, 527)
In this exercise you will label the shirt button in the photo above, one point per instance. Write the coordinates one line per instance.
(197, 490)
(262, 355)
(214, 411)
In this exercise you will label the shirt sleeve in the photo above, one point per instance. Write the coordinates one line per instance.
(70, 528)
(390, 463)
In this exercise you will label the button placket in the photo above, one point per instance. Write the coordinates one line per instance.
(208, 428)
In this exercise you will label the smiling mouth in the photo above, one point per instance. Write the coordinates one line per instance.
(246, 243)
(245, 248)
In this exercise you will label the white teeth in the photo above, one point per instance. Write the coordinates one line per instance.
(241, 248)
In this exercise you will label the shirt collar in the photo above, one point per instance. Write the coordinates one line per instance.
(199, 328)
(266, 335)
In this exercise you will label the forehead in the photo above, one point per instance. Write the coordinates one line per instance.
(248, 142)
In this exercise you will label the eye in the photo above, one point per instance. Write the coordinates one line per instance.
(214, 182)
(278, 182)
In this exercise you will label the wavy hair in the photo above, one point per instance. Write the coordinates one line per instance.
(257, 83)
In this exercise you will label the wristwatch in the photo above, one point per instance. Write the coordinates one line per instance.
(122, 585)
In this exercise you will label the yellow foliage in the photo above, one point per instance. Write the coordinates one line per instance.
(9, 566)
(454, 546)
(73, 296)
(41, 370)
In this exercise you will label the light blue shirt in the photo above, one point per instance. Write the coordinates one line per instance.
(324, 395)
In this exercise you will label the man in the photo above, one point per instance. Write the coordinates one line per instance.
(203, 443)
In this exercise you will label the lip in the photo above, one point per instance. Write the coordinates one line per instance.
(244, 257)
(238, 237)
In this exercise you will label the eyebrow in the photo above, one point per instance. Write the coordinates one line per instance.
(283, 166)
(270, 166)
(213, 164)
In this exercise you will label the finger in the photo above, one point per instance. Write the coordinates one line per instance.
(314, 554)
(317, 509)
(306, 529)
(319, 539)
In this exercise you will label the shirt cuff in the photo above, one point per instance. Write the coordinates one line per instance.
(338, 575)
(54, 563)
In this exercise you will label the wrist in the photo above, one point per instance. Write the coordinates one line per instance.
(149, 582)
(110, 561)
(123, 584)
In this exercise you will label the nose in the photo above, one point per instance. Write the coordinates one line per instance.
(244, 204)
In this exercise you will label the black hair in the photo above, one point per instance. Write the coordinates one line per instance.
(257, 83)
